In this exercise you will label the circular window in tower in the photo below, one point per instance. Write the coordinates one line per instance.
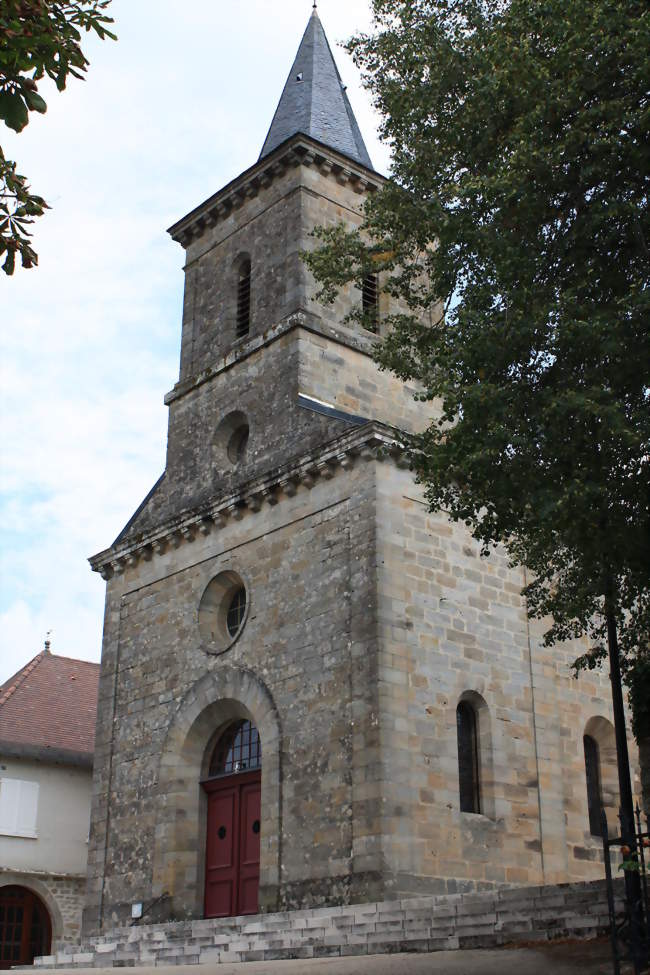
(237, 444)
(223, 612)
(231, 438)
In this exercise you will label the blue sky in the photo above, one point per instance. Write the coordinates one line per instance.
(90, 339)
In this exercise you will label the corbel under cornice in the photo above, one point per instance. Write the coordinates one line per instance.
(300, 150)
(373, 441)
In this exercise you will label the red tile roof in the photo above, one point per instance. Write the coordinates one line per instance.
(51, 704)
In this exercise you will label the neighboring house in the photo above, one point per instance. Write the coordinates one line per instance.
(47, 733)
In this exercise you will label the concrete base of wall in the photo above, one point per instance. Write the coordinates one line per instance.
(487, 920)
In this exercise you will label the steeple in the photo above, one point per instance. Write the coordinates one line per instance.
(314, 101)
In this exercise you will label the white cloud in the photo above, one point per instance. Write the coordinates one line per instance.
(90, 339)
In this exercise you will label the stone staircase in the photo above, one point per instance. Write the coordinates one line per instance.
(419, 924)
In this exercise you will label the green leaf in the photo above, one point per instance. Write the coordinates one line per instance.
(10, 263)
(61, 75)
(35, 102)
(13, 110)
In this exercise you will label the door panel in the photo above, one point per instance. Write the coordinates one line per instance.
(249, 845)
(222, 837)
(233, 845)
(248, 895)
(221, 853)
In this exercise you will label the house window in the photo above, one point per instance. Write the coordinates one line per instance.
(370, 302)
(18, 808)
(244, 298)
(594, 787)
(238, 750)
(468, 769)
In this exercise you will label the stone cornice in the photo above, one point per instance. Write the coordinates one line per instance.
(300, 150)
(365, 344)
(373, 441)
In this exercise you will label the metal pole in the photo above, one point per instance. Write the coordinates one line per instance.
(644, 877)
(610, 893)
(628, 832)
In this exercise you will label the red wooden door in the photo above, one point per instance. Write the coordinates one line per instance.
(25, 928)
(232, 862)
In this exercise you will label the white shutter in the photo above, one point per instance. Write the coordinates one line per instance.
(18, 807)
(9, 799)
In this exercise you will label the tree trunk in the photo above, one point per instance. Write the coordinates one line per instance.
(644, 762)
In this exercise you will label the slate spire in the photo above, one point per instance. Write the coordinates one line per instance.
(314, 101)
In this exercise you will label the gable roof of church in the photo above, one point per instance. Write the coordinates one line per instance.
(48, 710)
(314, 101)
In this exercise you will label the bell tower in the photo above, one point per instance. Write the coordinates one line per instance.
(263, 376)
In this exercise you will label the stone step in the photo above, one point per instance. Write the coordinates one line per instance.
(424, 924)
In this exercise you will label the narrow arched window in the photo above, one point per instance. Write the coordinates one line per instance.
(468, 769)
(244, 298)
(370, 302)
(238, 750)
(594, 787)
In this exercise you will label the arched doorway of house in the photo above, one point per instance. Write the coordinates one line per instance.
(25, 927)
(232, 851)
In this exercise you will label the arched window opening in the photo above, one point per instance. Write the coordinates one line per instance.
(370, 302)
(244, 298)
(594, 787)
(601, 774)
(468, 767)
(238, 750)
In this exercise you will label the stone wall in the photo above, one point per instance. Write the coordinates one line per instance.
(308, 647)
(453, 626)
(260, 385)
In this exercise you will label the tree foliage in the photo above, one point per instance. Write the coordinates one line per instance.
(519, 132)
(38, 39)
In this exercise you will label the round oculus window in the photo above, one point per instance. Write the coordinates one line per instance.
(231, 438)
(223, 612)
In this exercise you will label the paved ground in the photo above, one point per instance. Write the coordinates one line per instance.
(576, 958)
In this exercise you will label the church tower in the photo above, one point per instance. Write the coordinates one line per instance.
(300, 663)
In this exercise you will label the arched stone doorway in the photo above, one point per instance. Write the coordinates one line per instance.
(220, 699)
(25, 927)
(234, 822)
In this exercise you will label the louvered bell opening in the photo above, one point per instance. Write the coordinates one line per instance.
(244, 300)
(370, 300)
